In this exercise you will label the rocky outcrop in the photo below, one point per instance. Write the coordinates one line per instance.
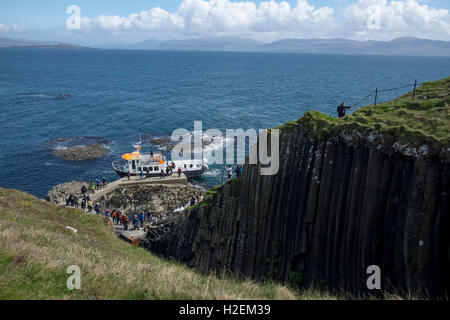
(162, 199)
(79, 148)
(337, 205)
(81, 153)
(59, 193)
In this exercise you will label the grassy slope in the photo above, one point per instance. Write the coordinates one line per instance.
(36, 250)
(415, 122)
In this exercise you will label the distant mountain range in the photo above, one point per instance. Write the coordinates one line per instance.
(399, 46)
(21, 43)
(407, 46)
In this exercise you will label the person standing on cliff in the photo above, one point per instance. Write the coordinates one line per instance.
(237, 171)
(229, 169)
(341, 109)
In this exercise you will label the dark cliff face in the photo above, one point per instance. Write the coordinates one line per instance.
(333, 209)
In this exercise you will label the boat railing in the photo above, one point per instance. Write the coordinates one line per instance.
(119, 165)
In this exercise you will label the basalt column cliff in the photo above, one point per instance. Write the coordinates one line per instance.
(347, 196)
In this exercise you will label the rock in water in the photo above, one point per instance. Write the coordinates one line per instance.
(59, 193)
(80, 153)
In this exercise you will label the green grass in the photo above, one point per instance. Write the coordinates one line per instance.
(426, 119)
(37, 248)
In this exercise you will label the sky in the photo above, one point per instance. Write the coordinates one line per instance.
(127, 21)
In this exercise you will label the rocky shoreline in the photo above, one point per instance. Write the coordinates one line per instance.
(59, 193)
(164, 200)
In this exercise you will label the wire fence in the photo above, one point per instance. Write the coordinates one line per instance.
(377, 91)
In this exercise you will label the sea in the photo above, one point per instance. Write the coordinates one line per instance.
(52, 98)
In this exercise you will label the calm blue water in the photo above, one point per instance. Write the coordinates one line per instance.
(120, 95)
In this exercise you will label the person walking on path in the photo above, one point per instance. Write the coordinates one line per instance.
(179, 172)
(141, 174)
(341, 109)
(136, 222)
(90, 205)
(119, 218)
(129, 174)
(97, 208)
(125, 221)
(142, 218)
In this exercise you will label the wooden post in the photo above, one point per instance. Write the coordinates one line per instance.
(414, 92)
(376, 94)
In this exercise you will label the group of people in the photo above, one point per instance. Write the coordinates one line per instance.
(86, 202)
(238, 171)
(196, 198)
(94, 185)
(137, 220)
(170, 168)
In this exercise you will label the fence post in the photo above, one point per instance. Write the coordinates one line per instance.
(376, 94)
(414, 92)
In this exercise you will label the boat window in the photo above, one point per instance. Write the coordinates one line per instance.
(156, 168)
(139, 169)
(191, 166)
(133, 164)
(145, 169)
(150, 168)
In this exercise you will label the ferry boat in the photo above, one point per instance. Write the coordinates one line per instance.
(152, 164)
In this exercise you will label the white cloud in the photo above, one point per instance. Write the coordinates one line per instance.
(396, 18)
(4, 28)
(224, 17)
(268, 20)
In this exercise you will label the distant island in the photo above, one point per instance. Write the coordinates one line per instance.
(21, 43)
(406, 46)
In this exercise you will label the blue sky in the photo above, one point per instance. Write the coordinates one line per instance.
(124, 21)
